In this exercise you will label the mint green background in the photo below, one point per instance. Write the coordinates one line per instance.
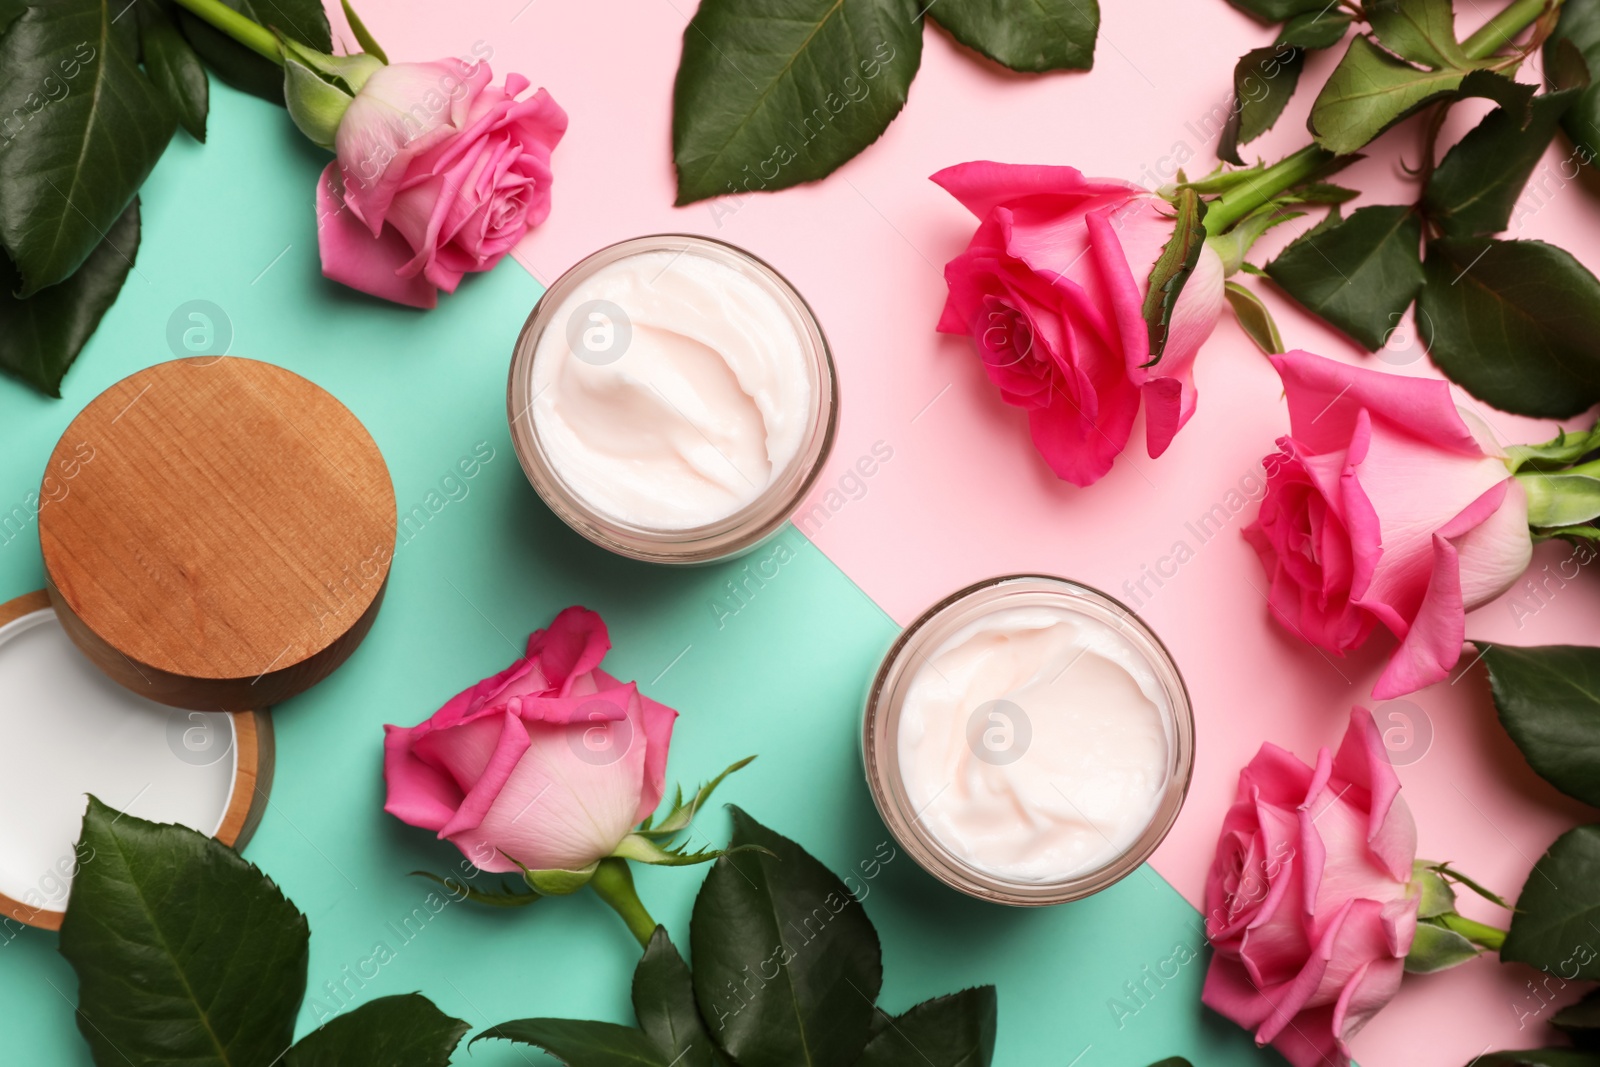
(784, 677)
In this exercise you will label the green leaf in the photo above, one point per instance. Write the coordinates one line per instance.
(1475, 187)
(578, 1043)
(787, 916)
(773, 93)
(1275, 11)
(1173, 1061)
(1538, 1057)
(302, 20)
(42, 335)
(1556, 500)
(1559, 907)
(1579, 29)
(951, 1031)
(95, 126)
(1172, 269)
(1371, 90)
(1322, 28)
(364, 38)
(184, 951)
(663, 1001)
(1434, 895)
(1514, 323)
(175, 68)
(1581, 1019)
(11, 11)
(1549, 702)
(1263, 81)
(1423, 31)
(399, 1031)
(1359, 273)
(1254, 318)
(1027, 35)
(1436, 949)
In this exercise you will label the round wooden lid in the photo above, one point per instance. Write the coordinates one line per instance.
(217, 532)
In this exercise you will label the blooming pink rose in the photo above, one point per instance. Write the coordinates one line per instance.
(549, 763)
(1385, 504)
(1051, 291)
(438, 174)
(1308, 904)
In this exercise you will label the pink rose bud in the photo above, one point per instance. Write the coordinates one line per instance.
(1385, 504)
(1051, 291)
(1308, 906)
(549, 764)
(438, 174)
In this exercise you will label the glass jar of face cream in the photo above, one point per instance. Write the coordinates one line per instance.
(1028, 740)
(672, 398)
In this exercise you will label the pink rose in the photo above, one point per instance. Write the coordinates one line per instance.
(1385, 504)
(438, 174)
(1051, 292)
(1308, 904)
(549, 763)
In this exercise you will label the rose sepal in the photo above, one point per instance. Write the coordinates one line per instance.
(1438, 948)
(557, 882)
(641, 849)
(1558, 453)
(318, 88)
(680, 815)
(503, 897)
(1445, 938)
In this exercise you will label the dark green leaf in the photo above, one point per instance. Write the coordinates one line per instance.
(175, 68)
(1538, 1057)
(303, 20)
(1263, 81)
(1360, 273)
(184, 951)
(773, 93)
(1436, 949)
(1275, 11)
(1560, 904)
(1476, 185)
(1579, 29)
(1322, 28)
(581, 1044)
(790, 922)
(1172, 269)
(42, 335)
(1025, 35)
(399, 1031)
(1423, 31)
(1371, 90)
(84, 128)
(952, 1031)
(663, 1001)
(11, 11)
(364, 38)
(1549, 702)
(1173, 1061)
(1254, 318)
(1513, 323)
(1581, 1020)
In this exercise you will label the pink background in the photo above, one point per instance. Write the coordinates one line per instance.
(965, 497)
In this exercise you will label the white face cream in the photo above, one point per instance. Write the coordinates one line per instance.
(1033, 741)
(70, 731)
(1028, 740)
(672, 387)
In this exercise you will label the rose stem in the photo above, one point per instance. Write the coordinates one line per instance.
(252, 35)
(613, 883)
(1227, 209)
(1489, 937)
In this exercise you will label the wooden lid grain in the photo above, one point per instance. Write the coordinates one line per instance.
(218, 533)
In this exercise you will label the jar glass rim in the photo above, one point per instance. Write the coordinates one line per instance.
(880, 741)
(733, 534)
